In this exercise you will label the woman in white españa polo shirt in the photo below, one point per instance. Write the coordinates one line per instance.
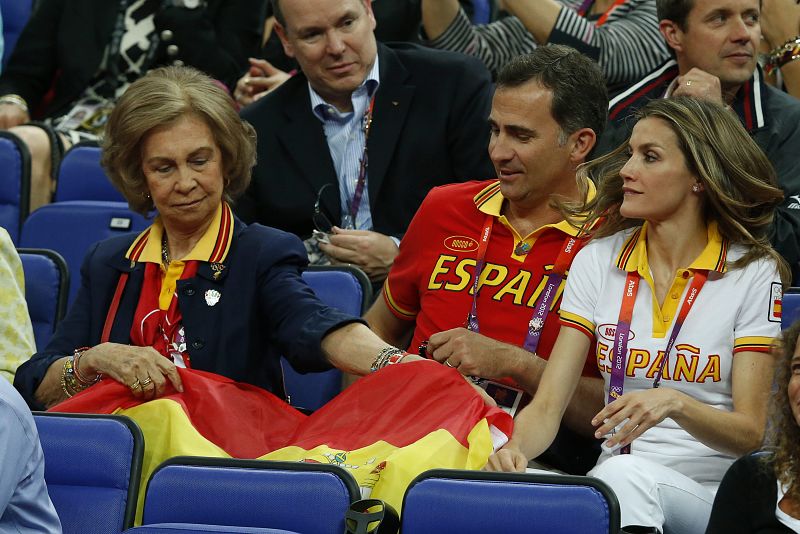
(681, 289)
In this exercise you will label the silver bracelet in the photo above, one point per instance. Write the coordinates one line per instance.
(383, 358)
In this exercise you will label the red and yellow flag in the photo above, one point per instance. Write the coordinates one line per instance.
(385, 429)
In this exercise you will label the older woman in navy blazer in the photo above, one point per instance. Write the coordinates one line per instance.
(198, 288)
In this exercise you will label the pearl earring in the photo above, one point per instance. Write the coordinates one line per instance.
(696, 188)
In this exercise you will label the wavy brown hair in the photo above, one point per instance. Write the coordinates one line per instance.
(741, 188)
(783, 432)
(160, 98)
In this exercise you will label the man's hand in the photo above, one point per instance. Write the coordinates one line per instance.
(508, 459)
(12, 115)
(260, 79)
(699, 84)
(371, 251)
(472, 354)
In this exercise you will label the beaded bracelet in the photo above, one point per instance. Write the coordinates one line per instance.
(84, 382)
(64, 372)
(783, 54)
(382, 359)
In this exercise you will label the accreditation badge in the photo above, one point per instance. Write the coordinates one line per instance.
(508, 398)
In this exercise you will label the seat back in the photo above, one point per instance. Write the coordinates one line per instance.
(92, 468)
(15, 183)
(15, 15)
(303, 497)
(349, 290)
(46, 284)
(80, 176)
(71, 228)
(790, 307)
(477, 502)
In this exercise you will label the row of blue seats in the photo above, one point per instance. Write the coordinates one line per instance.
(189, 494)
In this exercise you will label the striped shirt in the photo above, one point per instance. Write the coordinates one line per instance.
(344, 133)
(627, 46)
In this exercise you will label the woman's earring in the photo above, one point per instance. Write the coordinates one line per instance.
(696, 188)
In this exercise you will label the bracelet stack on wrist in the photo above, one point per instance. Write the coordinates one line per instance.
(72, 382)
(783, 54)
(15, 100)
(387, 356)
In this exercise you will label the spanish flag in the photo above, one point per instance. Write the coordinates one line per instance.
(386, 429)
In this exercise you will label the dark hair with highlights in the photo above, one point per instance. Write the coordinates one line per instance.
(740, 184)
(160, 98)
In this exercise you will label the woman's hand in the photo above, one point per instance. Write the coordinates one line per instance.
(142, 369)
(508, 459)
(638, 411)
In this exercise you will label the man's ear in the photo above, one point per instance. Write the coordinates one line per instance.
(672, 33)
(287, 45)
(583, 142)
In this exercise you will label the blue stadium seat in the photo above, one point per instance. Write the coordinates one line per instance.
(92, 468)
(475, 502)
(302, 497)
(790, 307)
(46, 285)
(185, 528)
(15, 15)
(349, 290)
(481, 11)
(15, 183)
(80, 176)
(71, 228)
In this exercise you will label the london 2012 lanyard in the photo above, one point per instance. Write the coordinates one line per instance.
(541, 309)
(621, 335)
(362, 166)
(587, 4)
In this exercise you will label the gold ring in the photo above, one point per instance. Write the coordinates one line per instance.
(448, 364)
(135, 385)
(146, 382)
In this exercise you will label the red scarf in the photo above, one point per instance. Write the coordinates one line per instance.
(154, 327)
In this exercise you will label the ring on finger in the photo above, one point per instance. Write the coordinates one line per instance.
(135, 385)
(146, 382)
(448, 364)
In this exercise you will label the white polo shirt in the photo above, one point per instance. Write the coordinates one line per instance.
(736, 310)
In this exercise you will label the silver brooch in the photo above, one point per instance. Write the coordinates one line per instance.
(212, 297)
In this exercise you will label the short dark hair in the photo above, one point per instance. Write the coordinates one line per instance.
(580, 97)
(675, 10)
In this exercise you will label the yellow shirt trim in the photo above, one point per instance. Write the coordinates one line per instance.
(490, 201)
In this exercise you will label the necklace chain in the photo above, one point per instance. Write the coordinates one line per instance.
(165, 252)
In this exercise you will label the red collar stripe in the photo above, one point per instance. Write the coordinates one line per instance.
(627, 250)
(622, 106)
(482, 197)
(138, 245)
(223, 237)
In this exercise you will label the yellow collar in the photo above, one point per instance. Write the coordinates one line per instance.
(490, 201)
(213, 247)
(633, 255)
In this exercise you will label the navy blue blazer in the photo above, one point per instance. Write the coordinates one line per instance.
(265, 310)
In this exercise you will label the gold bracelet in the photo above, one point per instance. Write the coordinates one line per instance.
(14, 100)
(64, 388)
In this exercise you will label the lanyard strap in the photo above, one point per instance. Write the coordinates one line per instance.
(587, 4)
(112, 309)
(362, 166)
(543, 304)
(621, 335)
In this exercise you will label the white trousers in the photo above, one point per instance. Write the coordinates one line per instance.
(652, 495)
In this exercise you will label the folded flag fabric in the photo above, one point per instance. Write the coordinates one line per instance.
(385, 429)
